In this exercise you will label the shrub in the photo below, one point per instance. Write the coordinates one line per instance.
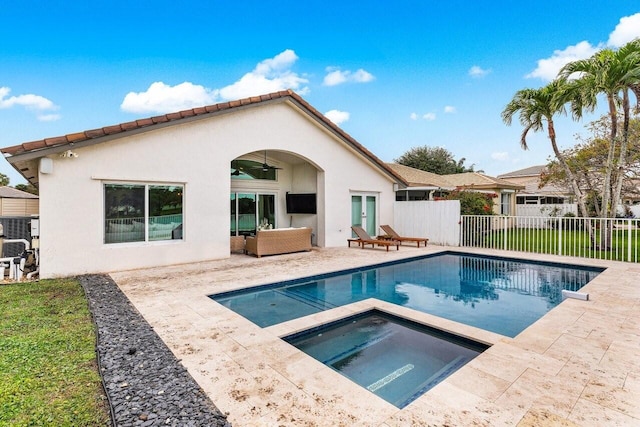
(472, 202)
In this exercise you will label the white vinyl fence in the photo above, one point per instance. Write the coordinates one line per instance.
(436, 220)
(599, 238)
(546, 210)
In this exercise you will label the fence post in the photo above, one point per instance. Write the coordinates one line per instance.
(629, 240)
(560, 221)
(504, 234)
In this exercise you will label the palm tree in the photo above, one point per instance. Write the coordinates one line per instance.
(535, 107)
(613, 74)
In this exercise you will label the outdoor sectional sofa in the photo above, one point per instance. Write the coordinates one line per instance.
(278, 241)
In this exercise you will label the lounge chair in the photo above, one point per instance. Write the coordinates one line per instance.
(395, 236)
(364, 239)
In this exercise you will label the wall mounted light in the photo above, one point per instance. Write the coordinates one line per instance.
(46, 165)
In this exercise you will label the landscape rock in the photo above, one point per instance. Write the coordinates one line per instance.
(140, 373)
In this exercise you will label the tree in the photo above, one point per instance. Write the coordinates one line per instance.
(537, 107)
(612, 73)
(28, 188)
(433, 159)
(4, 180)
(588, 161)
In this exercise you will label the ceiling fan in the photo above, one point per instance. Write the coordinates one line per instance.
(265, 167)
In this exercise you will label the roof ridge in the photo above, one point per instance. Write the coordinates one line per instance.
(59, 142)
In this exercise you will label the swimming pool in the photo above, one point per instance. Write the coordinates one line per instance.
(501, 295)
(393, 358)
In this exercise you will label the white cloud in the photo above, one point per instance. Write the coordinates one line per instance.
(548, 68)
(627, 29)
(449, 109)
(413, 116)
(501, 156)
(335, 76)
(477, 72)
(162, 98)
(337, 116)
(429, 116)
(29, 101)
(49, 117)
(271, 75)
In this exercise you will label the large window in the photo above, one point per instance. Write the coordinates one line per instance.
(142, 212)
(249, 211)
(505, 203)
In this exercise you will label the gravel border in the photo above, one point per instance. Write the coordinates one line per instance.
(145, 384)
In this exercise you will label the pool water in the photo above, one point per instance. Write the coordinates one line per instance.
(496, 294)
(393, 358)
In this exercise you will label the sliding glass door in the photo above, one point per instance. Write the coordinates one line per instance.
(249, 210)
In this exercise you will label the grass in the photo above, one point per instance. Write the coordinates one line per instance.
(572, 243)
(48, 369)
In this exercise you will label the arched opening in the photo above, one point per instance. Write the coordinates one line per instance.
(275, 189)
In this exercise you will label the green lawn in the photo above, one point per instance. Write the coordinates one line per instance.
(573, 243)
(48, 370)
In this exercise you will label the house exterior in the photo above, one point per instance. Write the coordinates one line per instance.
(422, 185)
(533, 193)
(540, 200)
(175, 188)
(504, 191)
(15, 202)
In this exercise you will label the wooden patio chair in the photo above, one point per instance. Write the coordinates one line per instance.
(392, 233)
(364, 239)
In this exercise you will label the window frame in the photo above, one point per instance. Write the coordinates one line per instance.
(148, 185)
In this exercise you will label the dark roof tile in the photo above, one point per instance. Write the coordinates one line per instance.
(109, 130)
(129, 125)
(144, 122)
(159, 119)
(56, 140)
(94, 133)
(74, 137)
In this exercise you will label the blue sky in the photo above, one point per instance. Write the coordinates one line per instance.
(394, 75)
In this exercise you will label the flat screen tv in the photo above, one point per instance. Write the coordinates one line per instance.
(301, 203)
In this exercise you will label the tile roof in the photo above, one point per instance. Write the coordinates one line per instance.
(22, 156)
(530, 171)
(480, 180)
(419, 178)
(14, 193)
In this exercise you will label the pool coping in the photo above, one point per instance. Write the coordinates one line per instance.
(561, 367)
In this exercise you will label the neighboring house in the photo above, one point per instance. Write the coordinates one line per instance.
(173, 188)
(421, 185)
(15, 202)
(533, 194)
(505, 191)
(536, 200)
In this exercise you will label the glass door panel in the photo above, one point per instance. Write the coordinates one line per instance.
(356, 212)
(267, 209)
(370, 213)
(233, 220)
(246, 214)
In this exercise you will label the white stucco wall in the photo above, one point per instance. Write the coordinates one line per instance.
(197, 155)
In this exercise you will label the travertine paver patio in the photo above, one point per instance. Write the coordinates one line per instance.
(578, 365)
